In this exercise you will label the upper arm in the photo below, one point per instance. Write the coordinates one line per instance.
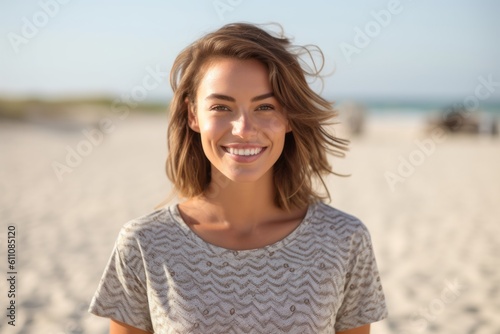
(358, 330)
(363, 299)
(122, 292)
(117, 327)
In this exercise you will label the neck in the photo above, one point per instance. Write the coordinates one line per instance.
(241, 206)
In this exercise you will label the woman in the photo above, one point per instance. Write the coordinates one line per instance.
(251, 249)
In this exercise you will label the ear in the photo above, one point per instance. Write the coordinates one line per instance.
(192, 118)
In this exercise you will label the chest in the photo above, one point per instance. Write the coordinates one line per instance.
(294, 291)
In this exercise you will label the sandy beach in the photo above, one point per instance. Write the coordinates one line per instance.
(431, 203)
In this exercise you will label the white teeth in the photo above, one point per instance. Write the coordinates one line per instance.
(244, 152)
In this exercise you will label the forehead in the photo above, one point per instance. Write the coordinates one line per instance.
(235, 76)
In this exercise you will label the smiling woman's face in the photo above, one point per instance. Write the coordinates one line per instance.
(241, 124)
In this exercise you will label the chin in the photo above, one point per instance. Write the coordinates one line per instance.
(239, 178)
(244, 176)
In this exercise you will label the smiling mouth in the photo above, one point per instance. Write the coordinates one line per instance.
(244, 152)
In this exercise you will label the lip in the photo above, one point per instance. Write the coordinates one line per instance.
(243, 146)
(243, 158)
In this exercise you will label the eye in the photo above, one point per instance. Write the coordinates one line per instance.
(219, 107)
(265, 107)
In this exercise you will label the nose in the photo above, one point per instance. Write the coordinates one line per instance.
(244, 126)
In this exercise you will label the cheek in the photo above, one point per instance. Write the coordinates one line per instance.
(277, 125)
(211, 129)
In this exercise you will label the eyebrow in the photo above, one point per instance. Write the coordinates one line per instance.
(232, 99)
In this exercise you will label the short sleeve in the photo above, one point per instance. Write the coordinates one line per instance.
(363, 301)
(122, 291)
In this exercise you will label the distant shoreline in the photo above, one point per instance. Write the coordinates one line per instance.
(22, 108)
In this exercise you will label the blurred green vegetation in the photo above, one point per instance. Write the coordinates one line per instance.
(20, 109)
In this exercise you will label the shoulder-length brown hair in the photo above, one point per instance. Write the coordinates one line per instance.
(304, 157)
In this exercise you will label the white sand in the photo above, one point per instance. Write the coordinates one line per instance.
(436, 235)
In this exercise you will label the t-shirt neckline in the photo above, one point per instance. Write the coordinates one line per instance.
(221, 251)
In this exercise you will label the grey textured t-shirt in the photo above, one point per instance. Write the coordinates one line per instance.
(321, 278)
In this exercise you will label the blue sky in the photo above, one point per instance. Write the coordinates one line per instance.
(428, 50)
